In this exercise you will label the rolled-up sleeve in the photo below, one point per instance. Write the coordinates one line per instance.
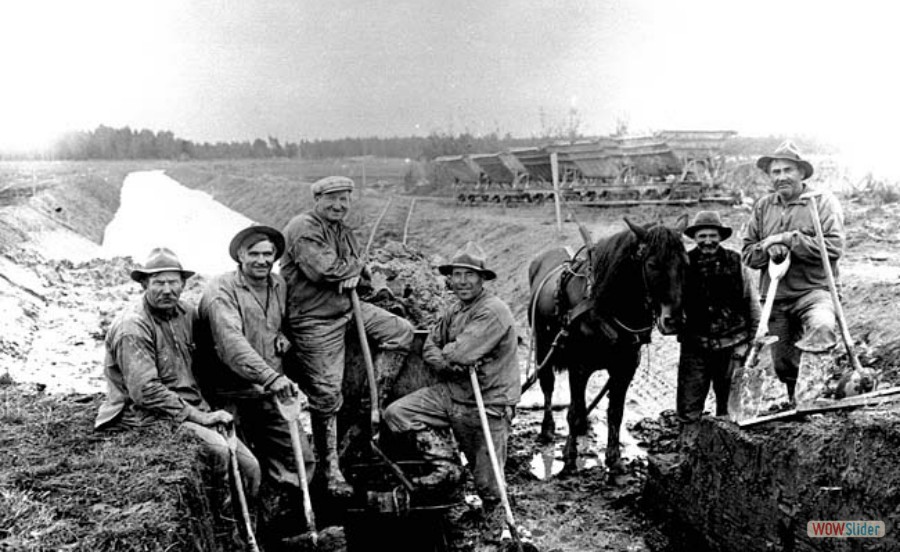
(137, 358)
(231, 345)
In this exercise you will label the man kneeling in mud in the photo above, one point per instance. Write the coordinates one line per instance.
(148, 369)
(477, 331)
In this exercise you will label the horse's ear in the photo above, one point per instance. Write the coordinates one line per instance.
(681, 223)
(637, 229)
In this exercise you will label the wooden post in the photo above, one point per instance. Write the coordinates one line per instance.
(412, 204)
(554, 170)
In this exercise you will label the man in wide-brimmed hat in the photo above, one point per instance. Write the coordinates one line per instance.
(322, 264)
(479, 330)
(721, 316)
(149, 373)
(781, 226)
(241, 316)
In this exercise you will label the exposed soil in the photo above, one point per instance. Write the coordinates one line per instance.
(56, 312)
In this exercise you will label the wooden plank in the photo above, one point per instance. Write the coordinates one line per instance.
(867, 399)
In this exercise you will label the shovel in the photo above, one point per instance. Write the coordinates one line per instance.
(740, 381)
(231, 440)
(832, 287)
(290, 411)
(495, 464)
(375, 413)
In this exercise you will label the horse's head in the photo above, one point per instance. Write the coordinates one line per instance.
(663, 260)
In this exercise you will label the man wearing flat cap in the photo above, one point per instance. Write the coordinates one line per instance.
(149, 373)
(479, 330)
(322, 263)
(721, 316)
(781, 226)
(241, 314)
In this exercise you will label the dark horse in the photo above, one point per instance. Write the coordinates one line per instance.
(605, 306)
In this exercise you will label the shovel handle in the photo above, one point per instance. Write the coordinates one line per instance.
(495, 464)
(375, 415)
(832, 287)
(301, 473)
(231, 441)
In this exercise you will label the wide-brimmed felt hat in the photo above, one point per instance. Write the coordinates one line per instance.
(707, 219)
(264, 232)
(331, 184)
(472, 257)
(788, 152)
(161, 259)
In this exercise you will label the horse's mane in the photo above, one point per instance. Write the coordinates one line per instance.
(611, 255)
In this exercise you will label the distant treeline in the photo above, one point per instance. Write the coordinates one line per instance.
(125, 143)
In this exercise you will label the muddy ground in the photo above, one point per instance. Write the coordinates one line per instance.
(56, 312)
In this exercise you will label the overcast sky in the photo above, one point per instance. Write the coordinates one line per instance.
(213, 70)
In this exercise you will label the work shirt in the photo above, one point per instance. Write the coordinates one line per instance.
(239, 332)
(318, 254)
(772, 215)
(148, 367)
(480, 333)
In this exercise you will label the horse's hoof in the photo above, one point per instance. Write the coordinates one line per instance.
(568, 470)
(545, 438)
(616, 468)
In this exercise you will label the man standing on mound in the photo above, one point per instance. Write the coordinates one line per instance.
(322, 265)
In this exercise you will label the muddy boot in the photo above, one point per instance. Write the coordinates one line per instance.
(325, 436)
(815, 370)
(438, 448)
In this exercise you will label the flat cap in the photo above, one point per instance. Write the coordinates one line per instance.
(331, 184)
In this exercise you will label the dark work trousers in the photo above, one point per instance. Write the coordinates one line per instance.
(699, 366)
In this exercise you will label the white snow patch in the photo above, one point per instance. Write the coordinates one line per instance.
(157, 211)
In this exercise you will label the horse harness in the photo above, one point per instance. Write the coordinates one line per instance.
(569, 315)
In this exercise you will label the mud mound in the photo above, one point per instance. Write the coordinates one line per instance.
(64, 487)
(406, 283)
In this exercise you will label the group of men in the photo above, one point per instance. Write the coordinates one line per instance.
(722, 308)
(221, 367)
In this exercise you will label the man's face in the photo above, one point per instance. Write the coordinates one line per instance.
(163, 289)
(787, 177)
(257, 260)
(708, 240)
(466, 283)
(334, 207)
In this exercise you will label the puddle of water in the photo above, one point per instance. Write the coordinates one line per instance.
(548, 461)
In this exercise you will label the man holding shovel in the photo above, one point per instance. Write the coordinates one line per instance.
(241, 315)
(322, 265)
(803, 314)
(477, 332)
(721, 316)
(149, 370)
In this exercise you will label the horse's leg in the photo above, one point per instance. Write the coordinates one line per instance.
(576, 415)
(548, 426)
(621, 373)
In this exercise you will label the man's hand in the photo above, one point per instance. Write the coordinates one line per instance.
(210, 419)
(778, 252)
(283, 388)
(348, 284)
(282, 344)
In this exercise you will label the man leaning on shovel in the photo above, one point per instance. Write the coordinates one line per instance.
(241, 315)
(478, 331)
(803, 314)
(322, 266)
(148, 367)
